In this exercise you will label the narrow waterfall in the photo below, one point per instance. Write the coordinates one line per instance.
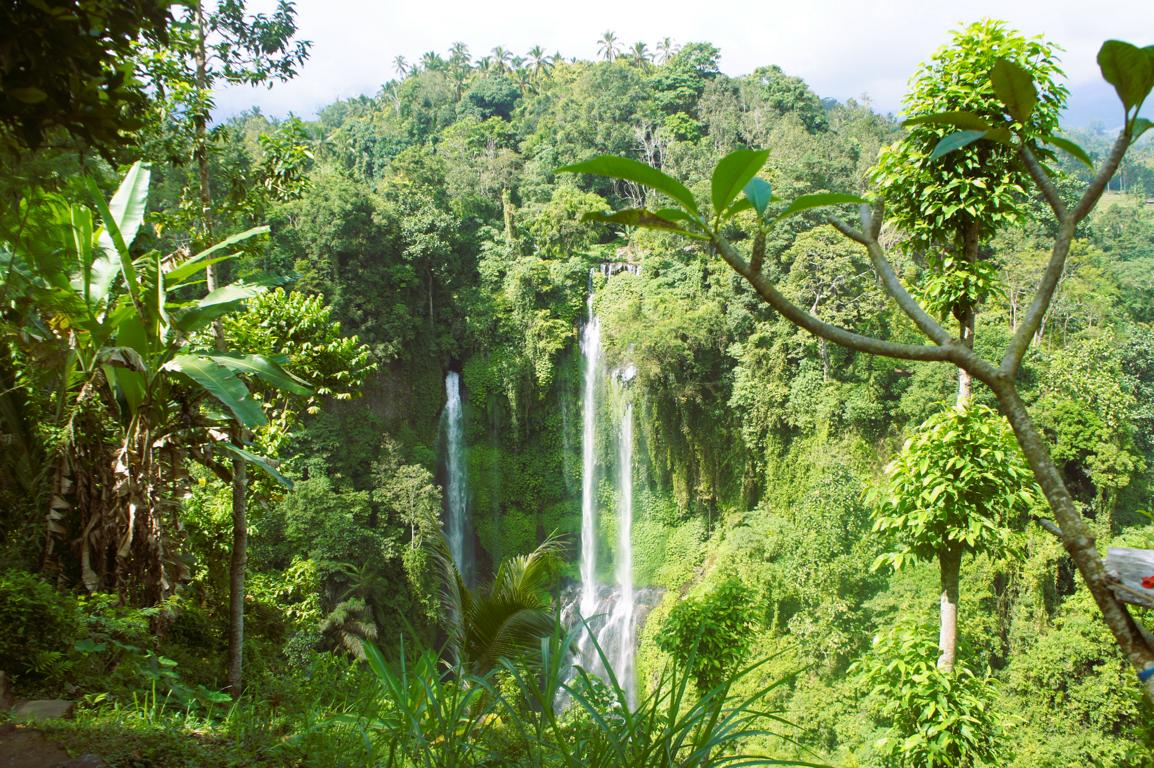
(622, 617)
(591, 355)
(456, 478)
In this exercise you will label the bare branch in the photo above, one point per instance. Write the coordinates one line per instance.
(833, 333)
(1105, 173)
(1043, 182)
(1049, 525)
(1018, 345)
(893, 285)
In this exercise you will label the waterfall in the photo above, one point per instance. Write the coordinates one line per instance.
(610, 609)
(591, 354)
(622, 617)
(456, 477)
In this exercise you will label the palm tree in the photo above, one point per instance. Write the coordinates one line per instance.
(665, 50)
(459, 55)
(506, 620)
(607, 45)
(640, 55)
(501, 58)
(540, 59)
(401, 66)
(431, 60)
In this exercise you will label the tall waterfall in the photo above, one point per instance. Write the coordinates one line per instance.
(622, 618)
(591, 354)
(609, 610)
(456, 477)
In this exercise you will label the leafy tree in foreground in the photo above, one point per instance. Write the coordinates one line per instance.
(1131, 71)
(953, 490)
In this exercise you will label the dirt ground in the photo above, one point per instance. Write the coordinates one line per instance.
(22, 747)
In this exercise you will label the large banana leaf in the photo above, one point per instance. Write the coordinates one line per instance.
(223, 384)
(122, 218)
(258, 461)
(220, 302)
(264, 369)
(190, 266)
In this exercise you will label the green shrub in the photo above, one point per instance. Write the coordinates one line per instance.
(710, 635)
(39, 625)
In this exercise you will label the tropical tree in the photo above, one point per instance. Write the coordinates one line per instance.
(607, 46)
(507, 619)
(540, 60)
(736, 193)
(639, 55)
(400, 66)
(501, 59)
(138, 364)
(957, 487)
(665, 50)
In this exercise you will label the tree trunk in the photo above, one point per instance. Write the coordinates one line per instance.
(1077, 538)
(239, 470)
(950, 566)
(236, 577)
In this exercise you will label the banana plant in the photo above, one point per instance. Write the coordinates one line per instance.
(135, 346)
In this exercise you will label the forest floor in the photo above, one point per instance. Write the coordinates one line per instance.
(24, 747)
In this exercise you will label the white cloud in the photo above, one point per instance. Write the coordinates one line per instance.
(842, 49)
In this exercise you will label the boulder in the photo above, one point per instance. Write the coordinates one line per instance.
(42, 709)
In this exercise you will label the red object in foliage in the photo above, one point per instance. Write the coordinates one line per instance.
(1148, 582)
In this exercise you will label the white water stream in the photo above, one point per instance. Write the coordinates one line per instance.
(456, 477)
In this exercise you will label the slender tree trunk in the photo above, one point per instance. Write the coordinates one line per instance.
(236, 577)
(950, 565)
(239, 469)
(1077, 538)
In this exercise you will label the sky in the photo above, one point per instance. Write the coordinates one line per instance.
(841, 49)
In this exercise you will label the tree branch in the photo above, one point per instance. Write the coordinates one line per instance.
(833, 333)
(1043, 182)
(1050, 526)
(1105, 173)
(890, 281)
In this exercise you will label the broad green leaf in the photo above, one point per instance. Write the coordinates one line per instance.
(259, 461)
(222, 245)
(220, 302)
(128, 386)
(759, 193)
(732, 173)
(176, 276)
(1072, 149)
(223, 384)
(819, 200)
(116, 252)
(632, 170)
(1141, 125)
(640, 217)
(130, 201)
(955, 141)
(264, 369)
(742, 204)
(962, 120)
(1015, 88)
(27, 95)
(1129, 69)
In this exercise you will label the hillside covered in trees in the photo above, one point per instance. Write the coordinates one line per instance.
(319, 437)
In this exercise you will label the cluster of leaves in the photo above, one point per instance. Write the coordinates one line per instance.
(935, 719)
(711, 634)
(960, 481)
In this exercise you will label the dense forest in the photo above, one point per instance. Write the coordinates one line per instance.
(318, 438)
